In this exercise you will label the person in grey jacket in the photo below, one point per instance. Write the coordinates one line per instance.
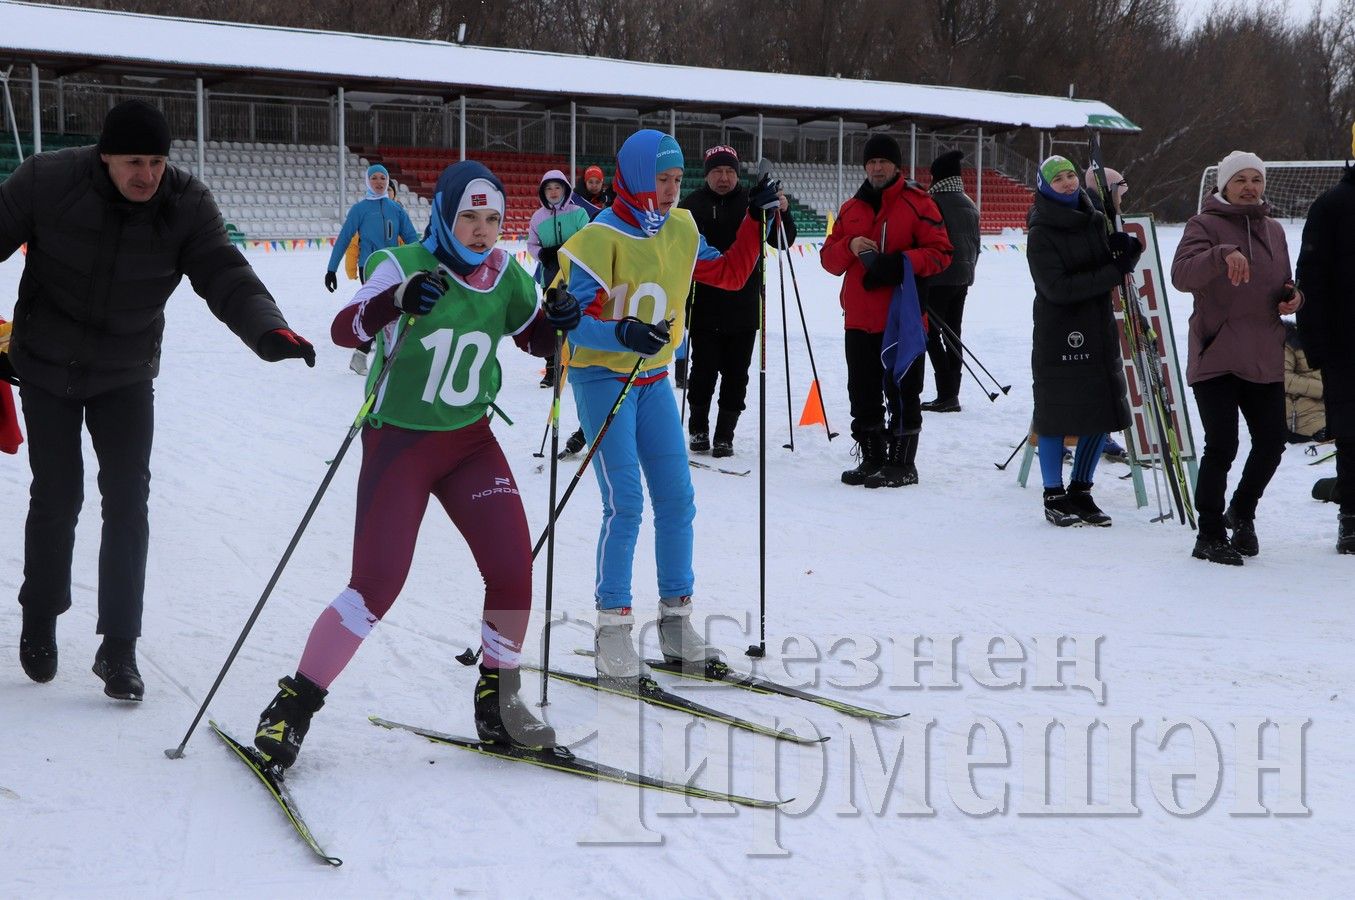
(111, 230)
(946, 291)
(1235, 261)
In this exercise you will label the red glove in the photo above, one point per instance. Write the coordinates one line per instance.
(283, 343)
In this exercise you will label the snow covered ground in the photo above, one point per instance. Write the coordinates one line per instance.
(89, 805)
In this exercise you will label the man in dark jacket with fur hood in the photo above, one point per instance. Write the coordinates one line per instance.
(723, 324)
(111, 230)
(1326, 275)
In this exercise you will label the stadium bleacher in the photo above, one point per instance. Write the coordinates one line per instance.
(283, 191)
(1005, 201)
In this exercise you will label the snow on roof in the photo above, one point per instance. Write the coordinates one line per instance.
(36, 32)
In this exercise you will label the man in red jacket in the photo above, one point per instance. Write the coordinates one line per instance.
(887, 219)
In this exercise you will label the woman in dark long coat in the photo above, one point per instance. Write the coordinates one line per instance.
(1079, 384)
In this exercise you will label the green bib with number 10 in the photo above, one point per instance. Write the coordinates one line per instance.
(447, 371)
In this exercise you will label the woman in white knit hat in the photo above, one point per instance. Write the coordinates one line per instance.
(1234, 259)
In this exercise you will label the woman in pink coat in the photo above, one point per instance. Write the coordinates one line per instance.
(1235, 261)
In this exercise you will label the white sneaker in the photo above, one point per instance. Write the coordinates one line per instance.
(678, 640)
(359, 362)
(616, 657)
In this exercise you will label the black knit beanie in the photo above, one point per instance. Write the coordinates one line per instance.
(882, 146)
(947, 165)
(135, 128)
(722, 156)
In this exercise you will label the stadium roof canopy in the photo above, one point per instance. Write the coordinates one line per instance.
(70, 40)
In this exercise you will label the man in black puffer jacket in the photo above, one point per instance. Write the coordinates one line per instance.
(723, 324)
(111, 230)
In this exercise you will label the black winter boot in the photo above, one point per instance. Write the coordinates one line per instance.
(1345, 535)
(1080, 499)
(283, 725)
(1244, 532)
(37, 647)
(500, 715)
(700, 442)
(115, 663)
(898, 469)
(871, 447)
(1216, 549)
(1058, 509)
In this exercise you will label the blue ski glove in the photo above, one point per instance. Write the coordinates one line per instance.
(420, 293)
(562, 309)
(642, 337)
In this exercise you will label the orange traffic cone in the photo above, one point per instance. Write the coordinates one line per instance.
(813, 413)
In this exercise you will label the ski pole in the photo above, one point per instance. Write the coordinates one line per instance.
(785, 328)
(955, 339)
(1020, 444)
(759, 650)
(588, 457)
(177, 752)
(550, 525)
(814, 370)
(687, 327)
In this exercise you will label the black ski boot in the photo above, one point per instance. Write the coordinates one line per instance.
(574, 444)
(1244, 532)
(1058, 509)
(283, 725)
(1080, 499)
(500, 715)
(115, 663)
(548, 377)
(898, 469)
(722, 449)
(37, 647)
(1345, 535)
(700, 442)
(1216, 549)
(871, 447)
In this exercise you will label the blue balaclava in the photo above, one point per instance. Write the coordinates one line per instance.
(644, 155)
(464, 185)
(374, 169)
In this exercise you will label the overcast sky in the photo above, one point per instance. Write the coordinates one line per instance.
(1194, 11)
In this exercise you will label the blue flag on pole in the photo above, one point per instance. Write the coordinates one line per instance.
(904, 339)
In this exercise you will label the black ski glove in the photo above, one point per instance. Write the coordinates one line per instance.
(548, 256)
(420, 293)
(882, 270)
(283, 343)
(331, 282)
(7, 372)
(642, 337)
(562, 309)
(1125, 250)
(764, 195)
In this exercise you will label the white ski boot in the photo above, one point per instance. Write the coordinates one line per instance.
(678, 641)
(616, 659)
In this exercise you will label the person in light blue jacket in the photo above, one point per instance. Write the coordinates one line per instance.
(378, 222)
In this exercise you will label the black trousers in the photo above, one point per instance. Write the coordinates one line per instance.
(868, 384)
(724, 356)
(121, 423)
(1262, 406)
(943, 350)
(1345, 474)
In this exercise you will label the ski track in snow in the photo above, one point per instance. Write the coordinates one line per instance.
(89, 805)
